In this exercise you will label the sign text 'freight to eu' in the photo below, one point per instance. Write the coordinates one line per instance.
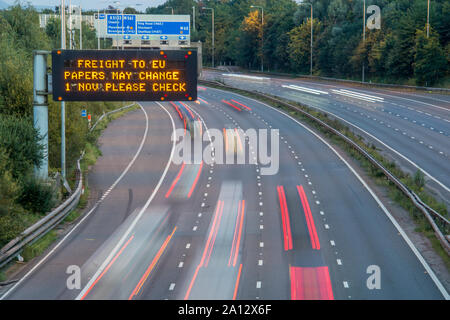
(124, 75)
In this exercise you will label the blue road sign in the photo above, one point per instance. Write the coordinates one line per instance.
(115, 25)
(163, 27)
(145, 37)
(83, 113)
(127, 37)
(102, 16)
(163, 37)
(182, 37)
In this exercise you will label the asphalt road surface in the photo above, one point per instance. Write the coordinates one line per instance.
(412, 128)
(157, 229)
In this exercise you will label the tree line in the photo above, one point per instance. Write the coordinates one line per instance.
(399, 51)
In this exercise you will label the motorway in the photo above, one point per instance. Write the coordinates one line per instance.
(156, 229)
(412, 129)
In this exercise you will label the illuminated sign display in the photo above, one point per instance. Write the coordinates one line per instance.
(124, 75)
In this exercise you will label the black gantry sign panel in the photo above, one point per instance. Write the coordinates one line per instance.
(124, 75)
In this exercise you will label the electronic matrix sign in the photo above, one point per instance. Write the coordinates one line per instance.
(124, 75)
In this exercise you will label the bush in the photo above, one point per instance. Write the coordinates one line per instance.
(419, 179)
(20, 141)
(36, 196)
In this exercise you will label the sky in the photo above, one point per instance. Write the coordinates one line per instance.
(95, 4)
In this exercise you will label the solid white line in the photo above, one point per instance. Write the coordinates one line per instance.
(87, 214)
(363, 94)
(138, 217)
(355, 96)
(303, 89)
(430, 272)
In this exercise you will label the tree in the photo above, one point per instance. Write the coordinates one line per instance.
(430, 63)
(299, 46)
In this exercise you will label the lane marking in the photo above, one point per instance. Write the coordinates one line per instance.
(304, 89)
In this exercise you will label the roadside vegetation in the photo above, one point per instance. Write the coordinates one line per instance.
(23, 198)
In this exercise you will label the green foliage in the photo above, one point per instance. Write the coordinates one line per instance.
(23, 199)
(37, 248)
(19, 140)
(36, 196)
(430, 63)
(299, 46)
(12, 220)
(419, 179)
(393, 54)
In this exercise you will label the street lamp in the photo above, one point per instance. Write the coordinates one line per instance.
(428, 19)
(262, 35)
(212, 23)
(170, 8)
(311, 53)
(81, 29)
(193, 17)
(63, 106)
(364, 36)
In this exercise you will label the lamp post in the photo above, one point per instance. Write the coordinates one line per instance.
(428, 19)
(193, 17)
(364, 36)
(311, 45)
(63, 107)
(81, 30)
(212, 23)
(262, 35)
(170, 8)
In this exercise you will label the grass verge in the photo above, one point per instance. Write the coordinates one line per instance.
(35, 249)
